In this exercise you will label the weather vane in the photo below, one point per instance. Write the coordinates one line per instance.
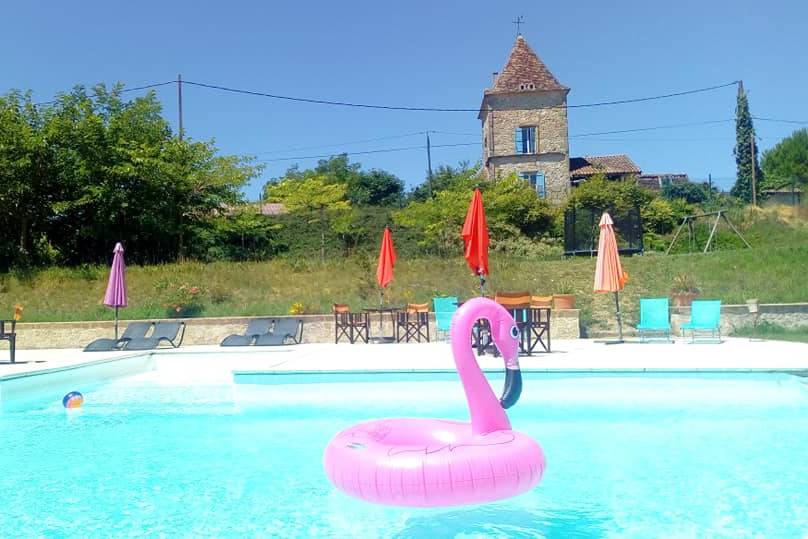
(519, 21)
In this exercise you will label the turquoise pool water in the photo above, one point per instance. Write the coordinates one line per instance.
(628, 456)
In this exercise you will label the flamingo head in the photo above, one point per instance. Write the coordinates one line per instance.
(506, 335)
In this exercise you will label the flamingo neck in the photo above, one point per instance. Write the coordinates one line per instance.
(487, 415)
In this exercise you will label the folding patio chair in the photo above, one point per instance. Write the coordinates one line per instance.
(654, 318)
(353, 326)
(705, 315)
(414, 321)
(444, 311)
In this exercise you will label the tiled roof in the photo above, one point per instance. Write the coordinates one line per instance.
(524, 71)
(602, 164)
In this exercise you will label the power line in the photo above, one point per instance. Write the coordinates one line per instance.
(299, 149)
(653, 128)
(800, 122)
(385, 150)
(440, 109)
(123, 90)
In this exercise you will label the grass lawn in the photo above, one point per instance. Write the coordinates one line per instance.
(771, 272)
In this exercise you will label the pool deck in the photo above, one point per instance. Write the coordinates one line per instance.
(582, 355)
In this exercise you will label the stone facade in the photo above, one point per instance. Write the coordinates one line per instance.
(543, 110)
(316, 328)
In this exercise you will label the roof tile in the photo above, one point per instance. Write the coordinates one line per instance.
(524, 71)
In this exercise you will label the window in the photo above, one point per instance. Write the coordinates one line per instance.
(536, 180)
(525, 139)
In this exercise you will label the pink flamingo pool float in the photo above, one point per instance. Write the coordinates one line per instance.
(420, 462)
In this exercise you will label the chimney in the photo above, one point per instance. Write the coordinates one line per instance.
(494, 76)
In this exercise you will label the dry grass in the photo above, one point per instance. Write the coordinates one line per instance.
(771, 272)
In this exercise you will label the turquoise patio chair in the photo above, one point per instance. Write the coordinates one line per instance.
(444, 310)
(654, 318)
(705, 315)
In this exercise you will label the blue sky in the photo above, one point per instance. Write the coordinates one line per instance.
(425, 53)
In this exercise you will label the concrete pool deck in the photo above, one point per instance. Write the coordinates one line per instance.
(581, 355)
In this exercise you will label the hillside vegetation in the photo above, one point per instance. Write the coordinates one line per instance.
(771, 272)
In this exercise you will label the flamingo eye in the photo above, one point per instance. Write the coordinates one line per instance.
(514, 332)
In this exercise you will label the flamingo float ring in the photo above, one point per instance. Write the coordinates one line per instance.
(419, 462)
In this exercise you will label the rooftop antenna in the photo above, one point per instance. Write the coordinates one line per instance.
(519, 21)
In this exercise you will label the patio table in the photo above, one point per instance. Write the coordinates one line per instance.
(392, 310)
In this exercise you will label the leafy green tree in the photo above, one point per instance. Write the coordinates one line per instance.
(444, 177)
(786, 164)
(513, 208)
(363, 188)
(693, 193)
(313, 198)
(599, 193)
(746, 159)
(92, 169)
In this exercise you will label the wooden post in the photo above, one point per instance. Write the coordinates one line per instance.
(712, 232)
(429, 163)
(179, 101)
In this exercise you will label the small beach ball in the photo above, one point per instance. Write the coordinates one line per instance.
(74, 399)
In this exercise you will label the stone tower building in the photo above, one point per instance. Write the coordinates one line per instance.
(524, 124)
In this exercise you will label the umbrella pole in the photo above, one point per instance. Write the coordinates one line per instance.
(381, 298)
(619, 317)
(116, 322)
(482, 285)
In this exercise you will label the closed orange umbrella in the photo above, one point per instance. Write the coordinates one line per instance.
(609, 274)
(475, 238)
(387, 259)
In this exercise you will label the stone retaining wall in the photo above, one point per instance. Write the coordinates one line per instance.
(316, 328)
(789, 315)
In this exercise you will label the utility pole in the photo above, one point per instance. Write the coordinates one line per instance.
(754, 161)
(179, 100)
(710, 181)
(429, 163)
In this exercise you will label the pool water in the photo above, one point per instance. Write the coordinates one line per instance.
(628, 456)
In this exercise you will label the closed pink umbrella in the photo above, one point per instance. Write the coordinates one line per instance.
(116, 286)
(609, 274)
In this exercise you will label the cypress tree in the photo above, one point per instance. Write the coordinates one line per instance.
(744, 158)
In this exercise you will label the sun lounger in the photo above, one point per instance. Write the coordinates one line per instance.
(654, 318)
(134, 330)
(163, 331)
(255, 328)
(285, 331)
(705, 315)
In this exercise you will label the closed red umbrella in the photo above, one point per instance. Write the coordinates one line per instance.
(387, 259)
(475, 238)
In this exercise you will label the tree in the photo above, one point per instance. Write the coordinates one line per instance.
(363, 188)
(693, 193)
(443, 178)
(513, 208)
(786, 164)
(92, 169)
(745, 158)
(312, 197)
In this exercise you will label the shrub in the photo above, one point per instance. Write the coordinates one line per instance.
(181, 299)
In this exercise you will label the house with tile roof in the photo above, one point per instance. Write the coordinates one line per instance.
(525, 129)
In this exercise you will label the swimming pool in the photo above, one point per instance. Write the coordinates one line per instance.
(628, 455)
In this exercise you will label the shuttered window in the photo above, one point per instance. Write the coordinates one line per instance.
(536, 180)
(524, 139)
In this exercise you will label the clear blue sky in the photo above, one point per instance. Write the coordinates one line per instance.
(425, 53)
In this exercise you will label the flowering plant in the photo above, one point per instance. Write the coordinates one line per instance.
(182, 299)
(297, 308)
